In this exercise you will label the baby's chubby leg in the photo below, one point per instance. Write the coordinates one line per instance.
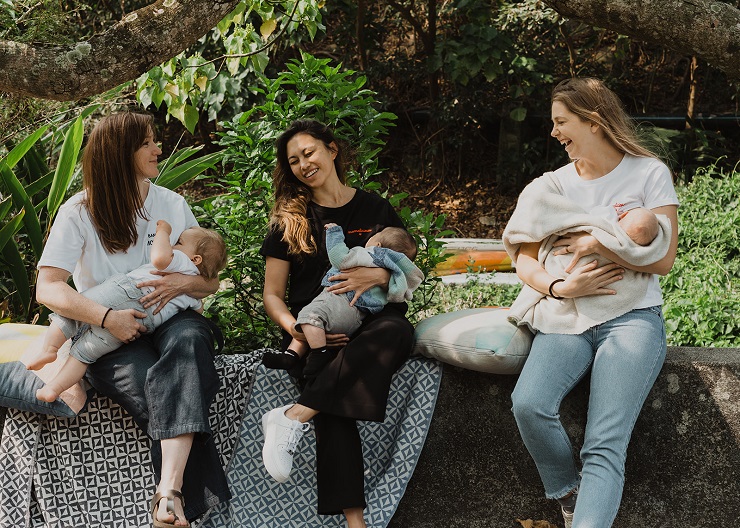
(70, 373)
(53, 339)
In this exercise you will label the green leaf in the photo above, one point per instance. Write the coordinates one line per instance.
(21, 199)
(11, 228)
(40, 184)
(174, 176)
(191, 117)
(518, 114)
(65, 167)
(18, 273)
(15, 155)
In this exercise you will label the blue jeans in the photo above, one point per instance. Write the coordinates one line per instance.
(624, 356)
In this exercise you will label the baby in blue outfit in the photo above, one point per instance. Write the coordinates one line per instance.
(392, 248)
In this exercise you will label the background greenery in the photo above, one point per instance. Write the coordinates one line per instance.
(438, 100)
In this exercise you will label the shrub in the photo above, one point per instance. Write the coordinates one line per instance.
(702, 291)
(310, 88)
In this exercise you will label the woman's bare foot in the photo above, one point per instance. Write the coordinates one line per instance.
(164, 516)
(43, 357)
(47, 394)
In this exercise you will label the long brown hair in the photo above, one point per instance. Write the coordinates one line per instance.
(292, 196)
(109, 177)
(592, 101)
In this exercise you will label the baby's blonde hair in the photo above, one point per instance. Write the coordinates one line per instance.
(212, 249)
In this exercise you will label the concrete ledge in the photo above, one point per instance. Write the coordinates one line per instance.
(683, 467)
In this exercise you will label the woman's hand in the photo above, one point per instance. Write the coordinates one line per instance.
(590, 279)
(359, 280)
(165, 289)
(125, 325)
(336, 340)
(581, 244)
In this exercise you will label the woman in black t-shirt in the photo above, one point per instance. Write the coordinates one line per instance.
(354, 383)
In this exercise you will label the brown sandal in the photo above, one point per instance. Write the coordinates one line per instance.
(170, 495)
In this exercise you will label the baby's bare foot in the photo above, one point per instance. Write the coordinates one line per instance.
(46, 394)
(43, 357)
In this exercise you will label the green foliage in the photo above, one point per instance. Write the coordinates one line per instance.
(702, 291)
(35, 194)
(688, 150)
(473, 294)
(309, 88)
(196, 81)
(31, 194)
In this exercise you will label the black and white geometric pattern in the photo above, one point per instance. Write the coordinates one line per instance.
(95, 470)
(20, 438)
(391, 450)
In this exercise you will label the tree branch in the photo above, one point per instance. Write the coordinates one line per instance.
(706, 28)
(143, 39)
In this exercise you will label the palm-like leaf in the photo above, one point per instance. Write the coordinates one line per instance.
(22, 200)
(65, 167)
(176, 173)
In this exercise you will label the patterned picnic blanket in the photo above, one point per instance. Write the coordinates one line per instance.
(391, 450)
(93, 470)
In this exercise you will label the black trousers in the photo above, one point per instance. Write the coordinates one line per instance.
(353, 386)
(166, 381)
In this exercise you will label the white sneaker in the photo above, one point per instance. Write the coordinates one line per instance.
(567, 519)
(281, 437)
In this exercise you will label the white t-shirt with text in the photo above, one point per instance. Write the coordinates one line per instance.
(73, 244)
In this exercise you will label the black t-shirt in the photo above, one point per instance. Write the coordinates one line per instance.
(363, 216)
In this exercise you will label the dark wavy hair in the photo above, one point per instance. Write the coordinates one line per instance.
(291, 195)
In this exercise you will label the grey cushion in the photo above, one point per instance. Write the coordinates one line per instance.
(477, 339)
(18, 385)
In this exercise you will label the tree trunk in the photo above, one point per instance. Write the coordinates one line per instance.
(706, 28)
(143, 39)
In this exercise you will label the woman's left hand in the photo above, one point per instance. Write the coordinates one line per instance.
(580, 244)
(359, 280)
(165, 289)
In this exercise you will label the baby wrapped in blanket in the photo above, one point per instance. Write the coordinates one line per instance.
(543, 214)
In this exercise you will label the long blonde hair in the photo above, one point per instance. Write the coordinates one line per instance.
(592, 101)
(291, 195)
(109, 177)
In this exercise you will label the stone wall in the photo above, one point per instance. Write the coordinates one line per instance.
(683, 467)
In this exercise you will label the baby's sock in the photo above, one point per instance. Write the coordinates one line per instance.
(281, 360)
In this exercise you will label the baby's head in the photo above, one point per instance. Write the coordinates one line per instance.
(394, 238)
(206, 249)
(640, 224)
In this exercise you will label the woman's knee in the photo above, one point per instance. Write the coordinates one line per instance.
(528, 406)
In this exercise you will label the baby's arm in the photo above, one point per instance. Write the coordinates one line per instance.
(162, 254)
(336, 249)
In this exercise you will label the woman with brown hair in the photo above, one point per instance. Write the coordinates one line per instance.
(165, 379)
(353, 382)
(623, 344)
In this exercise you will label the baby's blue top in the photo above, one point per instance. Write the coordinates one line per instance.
(405, 276)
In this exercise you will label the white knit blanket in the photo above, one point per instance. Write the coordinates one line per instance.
(543, 214)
